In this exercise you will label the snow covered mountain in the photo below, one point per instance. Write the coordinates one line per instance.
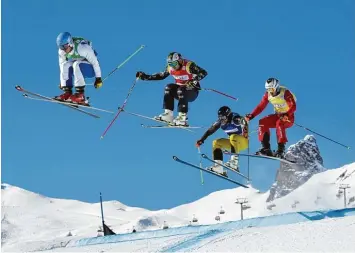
(289, 177)
(31, 219)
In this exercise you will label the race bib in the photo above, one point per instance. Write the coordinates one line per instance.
(183, 77)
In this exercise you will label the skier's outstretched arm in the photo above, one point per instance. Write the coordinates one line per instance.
(157, 76)
(209, 132)
(198, 72)
(260, 107)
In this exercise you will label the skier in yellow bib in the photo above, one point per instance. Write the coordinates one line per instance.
(284, 103)
(237, 129)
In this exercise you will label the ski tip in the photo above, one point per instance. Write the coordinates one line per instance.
(175, 158)
(203, 155)
(18, 87)
(101, 137)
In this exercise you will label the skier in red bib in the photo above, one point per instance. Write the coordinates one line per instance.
(186, 88)
(284, 102)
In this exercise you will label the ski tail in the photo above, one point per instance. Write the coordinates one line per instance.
(74, 107)
(208, 171)
(67, 103)
(168, 126)
(264, 157)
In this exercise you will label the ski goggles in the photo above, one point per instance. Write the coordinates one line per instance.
(173, 64)
(64, 47)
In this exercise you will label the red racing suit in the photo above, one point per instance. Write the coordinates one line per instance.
(284, 105)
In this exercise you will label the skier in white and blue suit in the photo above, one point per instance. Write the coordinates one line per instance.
(77, 61)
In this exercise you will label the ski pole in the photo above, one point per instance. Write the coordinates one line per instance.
(121, 108)
(123, 63)
(216, 91)
(219, 92)
(199, 152)
(248, 136)
(321, 135)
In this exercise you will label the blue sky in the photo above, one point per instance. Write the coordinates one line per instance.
(52, 150)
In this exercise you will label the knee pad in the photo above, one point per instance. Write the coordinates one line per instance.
(168, 88)
(180, 94)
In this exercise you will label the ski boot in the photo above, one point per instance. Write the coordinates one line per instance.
(181, 120)
(65, 97)
(218, 168)
(280, 153)
(79, 96)
(265, 146)
(233, 163)
(265, 152)
(166, 116)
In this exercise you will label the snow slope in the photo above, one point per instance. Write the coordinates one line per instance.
(330, 235)
(32, 219)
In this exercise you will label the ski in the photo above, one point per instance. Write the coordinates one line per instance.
(67, 103)
(169, 126)
(188, 128)
(208, 171)
(19, 88)
(263, 156)
(145, 117)
(224, 166)
(166, 124)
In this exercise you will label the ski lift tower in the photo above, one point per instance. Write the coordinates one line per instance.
(344, 187)
(241, 201)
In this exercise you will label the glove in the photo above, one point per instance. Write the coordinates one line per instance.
(191, 84)
(248, 117)
(199, 143)
(284, 117)
(141, 75)
(98, 82)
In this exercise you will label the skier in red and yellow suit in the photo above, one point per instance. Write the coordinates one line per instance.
(186, 88)
(284, 103)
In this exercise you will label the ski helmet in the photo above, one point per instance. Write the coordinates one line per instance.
(174, 59)
(272, 84)
(64, 39)
(223, 113)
